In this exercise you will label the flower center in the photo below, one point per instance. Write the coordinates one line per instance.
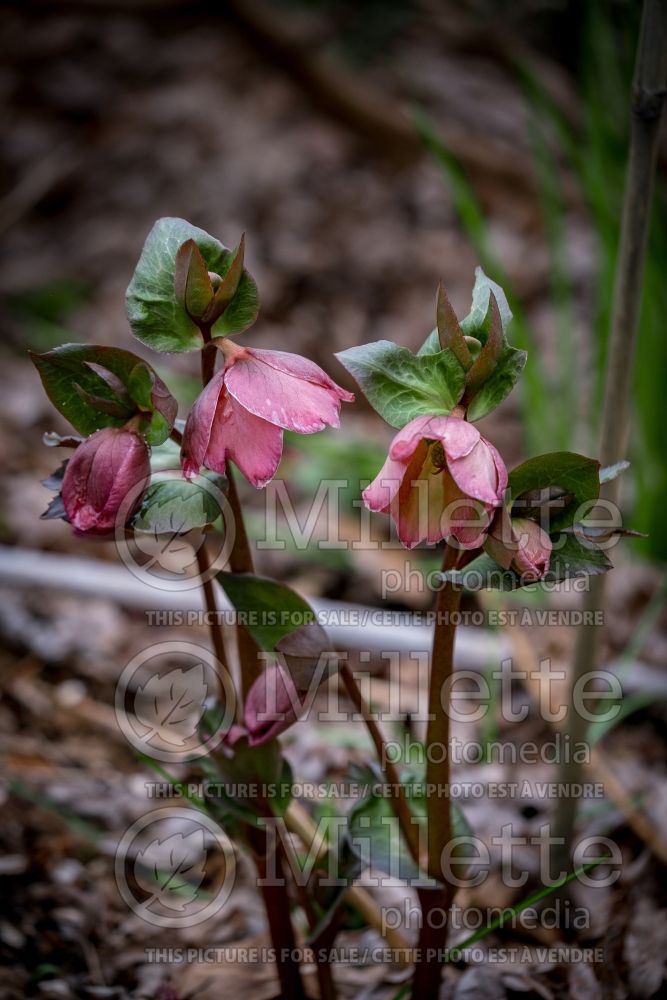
(437, 456)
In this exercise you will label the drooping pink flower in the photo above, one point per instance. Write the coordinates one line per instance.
(100, 474)
(241, 413)
(441, 479)
(271, 706)
(519, 543)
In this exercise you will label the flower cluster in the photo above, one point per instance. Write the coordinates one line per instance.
(239, 416)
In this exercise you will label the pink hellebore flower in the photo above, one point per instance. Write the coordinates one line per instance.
(241, 413)
(271, 706)
(99, 475)
(441, 479)
(521, 544)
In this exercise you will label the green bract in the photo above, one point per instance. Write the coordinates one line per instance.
(448, 369)
(401, 385)
(156, 309)
(96, 387)
(571, 480)
(175, 505)
(569, 560)
(481, 294)
(373, 830)
(272, 610)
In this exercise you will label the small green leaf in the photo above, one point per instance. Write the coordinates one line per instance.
(374, 831)
(228, 286)
(569, 560)
(474, 321)
(499, 384)
(271, 611)
(156, 315)
(110, 407)
(174, 506)
(487, 359)
(576, 476)
(82, 381)
(192, 284)
(450, 334)
(401, 385)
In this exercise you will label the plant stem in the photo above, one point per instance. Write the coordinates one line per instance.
(241, 561)
(215, 630)
(298, 821)
(398, 798)
(276, 903)
(276, 898)
(647, 103)
(433, 933)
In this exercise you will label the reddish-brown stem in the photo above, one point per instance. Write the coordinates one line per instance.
(176, 436)
(276, 904)
(215, 631)
(241, 561)
(276, 898)
(208, 356)
(398, 798)
(433, 934)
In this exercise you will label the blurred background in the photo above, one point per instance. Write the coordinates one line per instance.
(368, 151)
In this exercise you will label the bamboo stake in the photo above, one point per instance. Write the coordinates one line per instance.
(648, 98)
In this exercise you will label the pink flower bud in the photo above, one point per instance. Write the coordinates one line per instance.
(102, 471)
(533, 553)
(271, 706)
(242, 411)
(441, 479)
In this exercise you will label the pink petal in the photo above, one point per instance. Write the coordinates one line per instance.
(285, 389)
(476, 473)
(380, 493)
(104, 469)
(219, 429)
(405, 442)
(199, 427)
(253, 444)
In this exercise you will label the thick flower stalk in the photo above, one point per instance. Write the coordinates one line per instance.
(241, 413)
(441, 479)
(105, 468)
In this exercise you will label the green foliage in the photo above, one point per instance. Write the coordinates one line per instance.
(570, 559)
(499, 384)
(374, 832)
(96, 387)
(156, 309)
(270, 610)
(576, 477)
(479, 310)
(175, 506)
(401, 385)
